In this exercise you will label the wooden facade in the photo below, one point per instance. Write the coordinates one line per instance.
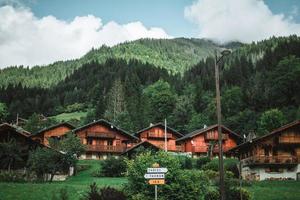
(273, 156)
(204, 142)
(102, 139)
(24, 142)
(56, 132)
(155, 134)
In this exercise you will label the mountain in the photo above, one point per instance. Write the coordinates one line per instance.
(259, 86)
(174, 55)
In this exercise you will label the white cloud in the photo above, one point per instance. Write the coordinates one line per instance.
(241, 20)
(28, 40)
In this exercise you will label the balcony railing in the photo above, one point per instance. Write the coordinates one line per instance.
(214, 136)
(264, 160)
(160, 136)
(106, 148)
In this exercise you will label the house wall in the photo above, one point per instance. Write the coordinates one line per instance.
(201, 146)
(97, 150)
(55, 132)
(159, 141)
(260, 174)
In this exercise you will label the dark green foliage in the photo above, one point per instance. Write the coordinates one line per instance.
(255, 78)
(187, 163)
(105, 193)
(212, 194)
(35, 123)
(3, 112)
(181, 184)
(10, 154)
(48, 161)
(271, 119)
(236, 193)
(113, 167)
(12, 176)
(200, 162)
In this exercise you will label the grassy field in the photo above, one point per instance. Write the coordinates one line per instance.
(76, 186)
(69, 116)
(275, 190)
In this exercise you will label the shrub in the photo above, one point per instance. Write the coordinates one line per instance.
(186, 163)
(82, 167)
(12, 176)
(212, 194)
(113, 167)
(180, 184)
(212, 165)
(236, 193)
(202, 161)
(106, 193)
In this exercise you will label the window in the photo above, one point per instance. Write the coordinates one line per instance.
(90, 141)
(273, 170)
(109, 142)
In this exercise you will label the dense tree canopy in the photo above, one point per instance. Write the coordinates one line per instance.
(255, 79)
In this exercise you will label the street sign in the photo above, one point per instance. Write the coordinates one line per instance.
(154, 176)
(157, 170)
(157, 181)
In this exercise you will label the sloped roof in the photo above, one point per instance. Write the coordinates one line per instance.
(15, 128)
(141, 144)
(55, 126)
(108, 124)
(274, 132)
(203, 130)
(160, 125)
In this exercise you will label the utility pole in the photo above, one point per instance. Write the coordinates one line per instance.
(166, 140)
(219, 119)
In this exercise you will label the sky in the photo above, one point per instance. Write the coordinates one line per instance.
(39, 32)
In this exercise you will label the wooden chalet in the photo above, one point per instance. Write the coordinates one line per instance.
(103, 139)
(204, 142)
(155, 134)
(22, 138)
(140, 147)
(56, 132)
(272, 156)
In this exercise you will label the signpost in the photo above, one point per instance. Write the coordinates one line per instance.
(156, 176)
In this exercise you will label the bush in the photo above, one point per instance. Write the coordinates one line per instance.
(82, 167)
(106, 193)
(235, 193)
(180, 184)
(212, 165)
(113, 167)
(12, 176)
(186, 163)
(202, 161)
(212, 194)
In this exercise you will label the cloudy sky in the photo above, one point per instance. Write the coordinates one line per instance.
(37, 32)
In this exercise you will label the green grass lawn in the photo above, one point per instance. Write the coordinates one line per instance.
(69, 116)
(76, 186)
(275, 190)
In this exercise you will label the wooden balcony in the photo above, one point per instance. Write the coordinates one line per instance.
(159, 136)
(214, 136)
(106, 148)
(270, 160)
(295, 139)
(104, 135)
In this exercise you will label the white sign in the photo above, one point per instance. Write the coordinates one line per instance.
(154, 176)
(157, 170)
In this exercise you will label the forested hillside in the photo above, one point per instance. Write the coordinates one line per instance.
(175, 55)
(260, 89)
